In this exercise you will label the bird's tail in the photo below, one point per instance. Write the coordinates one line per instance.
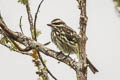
(91, 66)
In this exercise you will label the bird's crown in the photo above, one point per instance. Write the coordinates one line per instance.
(58, 22)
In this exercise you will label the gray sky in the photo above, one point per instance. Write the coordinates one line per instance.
(103, 45)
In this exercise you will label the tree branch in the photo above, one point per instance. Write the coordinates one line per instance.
(28, 42)
(83, 25)
(30, 19)
(33, 33)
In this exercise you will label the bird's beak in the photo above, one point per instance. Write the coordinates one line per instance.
(50, 25)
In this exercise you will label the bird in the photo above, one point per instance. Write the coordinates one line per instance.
(67, 40)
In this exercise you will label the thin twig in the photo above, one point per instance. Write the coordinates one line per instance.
(46, 67)
(20, 24)
(45, 44)
(36, 39)
(33, 28)
(36, 18)
(1, 18)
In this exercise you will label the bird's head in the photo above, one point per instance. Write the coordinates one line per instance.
(56, 23)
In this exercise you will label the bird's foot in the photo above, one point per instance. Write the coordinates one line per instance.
(58, 53)
(66, 56)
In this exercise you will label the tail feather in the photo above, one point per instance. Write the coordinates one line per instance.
(91, 66)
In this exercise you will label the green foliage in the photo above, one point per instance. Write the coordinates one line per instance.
(12, 46)
(38, 32)
(117, 3)
(20, 25)
(5, 41)
(23, 1)
(39, 78)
